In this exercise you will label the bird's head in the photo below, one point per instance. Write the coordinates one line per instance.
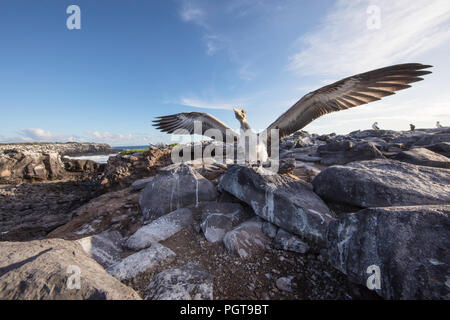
(240, 114)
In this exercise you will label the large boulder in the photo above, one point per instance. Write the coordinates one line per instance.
(233, 209)
(160, 229)
(176, 187)
(383, 183)
(188, 282)
(443, 148)
(247, 239)
(342, 152)
(220, 217)
(142, 261)
(423, 157)
(433, 139)
(287, 241)
(48, 269)
(409, 245)
(105, 248)
(281, 200)
(215, 226)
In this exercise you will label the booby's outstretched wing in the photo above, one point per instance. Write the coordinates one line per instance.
(186, 121)
(348, 93)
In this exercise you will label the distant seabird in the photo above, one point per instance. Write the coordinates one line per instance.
(344, 94)
(375, 126)
(412, 127)
(438, 125)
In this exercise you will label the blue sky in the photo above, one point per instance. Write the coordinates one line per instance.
(134, 60)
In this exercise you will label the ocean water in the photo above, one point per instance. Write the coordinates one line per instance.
(99, 159)
(104, 158)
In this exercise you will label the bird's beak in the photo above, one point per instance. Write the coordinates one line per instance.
(235, 110)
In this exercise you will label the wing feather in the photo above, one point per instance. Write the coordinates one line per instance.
(186, 121)
(348, 93)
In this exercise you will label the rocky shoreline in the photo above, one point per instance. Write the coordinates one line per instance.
(141, 228)
(73, 149)
(45, 162)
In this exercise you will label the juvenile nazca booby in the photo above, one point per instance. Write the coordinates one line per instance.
(344, 94)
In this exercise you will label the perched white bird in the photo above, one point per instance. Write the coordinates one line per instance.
(438, 125)
(344, 94)
(375, 126)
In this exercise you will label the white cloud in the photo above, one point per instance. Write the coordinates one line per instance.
(38, 134)
(343, 44)
(245, 73)
(119, 138)
(190, 12)
(197, 103)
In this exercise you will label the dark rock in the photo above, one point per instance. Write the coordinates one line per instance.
(219, 218)
(29, 211)
(383, 183)
(246, 240)
(160, 229)
(342, 152)
(442, 148)
(423, 157)
(283, 201)
(269, 229)
(285, 283)
(289, 242)
(105, 248)
(379, 143)
(433, 139)
(215, 226)
(286, 166)
(177, 187)
(408, 244)
(407, 140)
(286, 144)
(386, 134)
(326, 137)
(188, 282)
(113, 211)
(86, 166)
(122, 170)
(234, 209)
(145, 260)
